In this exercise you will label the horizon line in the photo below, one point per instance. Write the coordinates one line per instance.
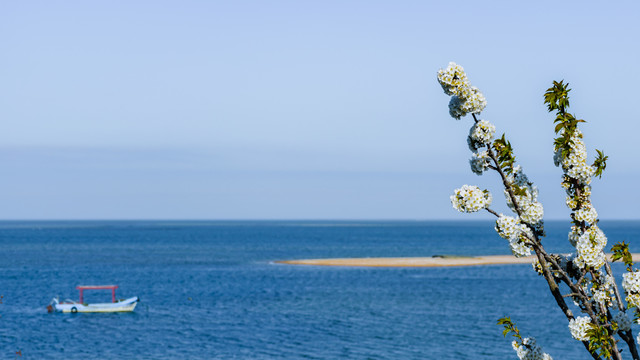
(286, 219)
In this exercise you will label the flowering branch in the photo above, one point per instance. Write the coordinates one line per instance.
(593, 289)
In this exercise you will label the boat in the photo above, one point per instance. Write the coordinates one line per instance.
(70, 306)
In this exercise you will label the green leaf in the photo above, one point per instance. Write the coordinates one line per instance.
(557, 96)
(509, 327)
(620, 251)
(600, 341)
(600, 163)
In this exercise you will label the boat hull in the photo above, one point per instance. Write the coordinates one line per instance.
(126, 305)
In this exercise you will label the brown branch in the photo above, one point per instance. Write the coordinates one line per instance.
(572, 294)
(615, 287)
(555, 291)
(492, 212)
(627, 336)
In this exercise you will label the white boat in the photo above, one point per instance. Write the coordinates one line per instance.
(70, 306)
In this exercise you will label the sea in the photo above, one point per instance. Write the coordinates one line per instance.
(213, 290)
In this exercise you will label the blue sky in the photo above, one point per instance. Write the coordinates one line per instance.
(298, 109)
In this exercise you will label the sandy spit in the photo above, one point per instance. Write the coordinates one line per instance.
(421, 261)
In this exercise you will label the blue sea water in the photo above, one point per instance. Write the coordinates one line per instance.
(211, 290)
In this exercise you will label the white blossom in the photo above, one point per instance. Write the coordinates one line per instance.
(479, 162)
(589, 246)
(604, 293)
(507, 227)
(574, 159)
(470, 199)
(474, 100)
(532, 213)
(594, 236)
(526, 233)
(577, 145)
(586, 213)
(529, 350)
(529, 195)
(516, 233)
(579, 327)
(575, 164)
(571, 202)
(452, 78)
(589, 255)
(574, 235)
(464, 97)
(456, 107)
(623, 321)
(601, 296)
(631, 285)
(609, 281)
(481, 134)
(633, 300)
(521, 179)
(583, 173)
(519, 248)
(631, 281)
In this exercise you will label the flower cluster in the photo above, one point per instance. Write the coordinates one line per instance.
(526, 198)
(465, 99)
(589, 247)
(481, 134)
(571, 202)
(574, 235)
(516, 233)
(584, 235)
(631, 284)
(479, 162)
(575, 163)
(601, 296)
(529, 350)
(633, 299)
(631, 281)
(604, 291)
(623, 321)
(586, 213)
(532, 213)
(452, 78)
(579, 327)
(470, 198)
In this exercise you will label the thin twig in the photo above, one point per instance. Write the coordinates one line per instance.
(572, 294)
(492, 212)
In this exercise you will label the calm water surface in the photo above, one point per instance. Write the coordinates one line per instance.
(210, 290)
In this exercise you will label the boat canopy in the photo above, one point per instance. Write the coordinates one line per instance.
(97, 287)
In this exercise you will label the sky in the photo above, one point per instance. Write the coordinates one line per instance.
(300, 109)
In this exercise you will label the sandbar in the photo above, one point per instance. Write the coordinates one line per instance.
(435, 261)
